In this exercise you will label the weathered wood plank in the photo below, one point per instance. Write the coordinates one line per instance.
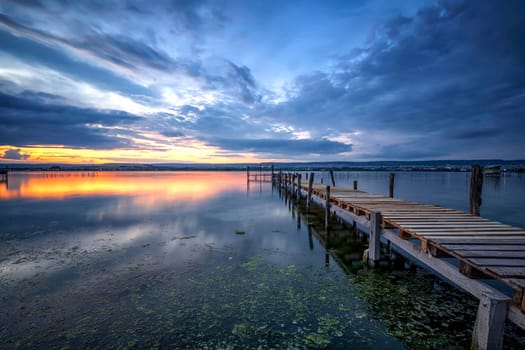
(505, 271)
(491, 254)
(498, 262)
(484, 247)
(478, 240)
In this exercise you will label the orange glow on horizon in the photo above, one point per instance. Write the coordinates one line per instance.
(149, 188)
(194, 152)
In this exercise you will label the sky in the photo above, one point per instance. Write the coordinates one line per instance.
(226, 81)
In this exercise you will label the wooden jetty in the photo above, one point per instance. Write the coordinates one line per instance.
(260, 173)
(480, 249)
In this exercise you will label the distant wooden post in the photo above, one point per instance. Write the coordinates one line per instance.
(299, 187)
(247, 173)
(391, 185)
(490, 323)
(309, 196)
(272, 174)
(293, 185)
(476, 185)
(332, 177)
(355, 185)
(327, 207)
(374, 242)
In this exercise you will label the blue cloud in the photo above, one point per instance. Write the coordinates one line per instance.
(282, 147)
(25, 121)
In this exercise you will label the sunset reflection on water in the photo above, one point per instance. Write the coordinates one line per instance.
(161, 186)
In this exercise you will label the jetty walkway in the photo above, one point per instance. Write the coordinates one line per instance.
(483, 257)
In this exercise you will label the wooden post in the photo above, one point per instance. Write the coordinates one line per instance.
(299, 187)
(327, 207)
(490, 322)
(272, 174)
(309, 196)
(391, 185)
(247, 173)
(332, 177)
(355, 185)
(293, 185)
(374, 242)
(476, 185)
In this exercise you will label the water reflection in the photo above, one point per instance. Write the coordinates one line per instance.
(164, 186)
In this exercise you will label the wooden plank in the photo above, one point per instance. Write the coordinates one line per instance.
(512, 230)
(485, 247)
(491, 254)
(485, 234)
(442, 267)
(470, 225)
(518, 282)
(508, 271)
(426, 218)
(498, 262)
(479, 240)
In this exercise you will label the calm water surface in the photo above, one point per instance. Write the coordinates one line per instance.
(200, 260)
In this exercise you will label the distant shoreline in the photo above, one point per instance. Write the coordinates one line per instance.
(510, 168)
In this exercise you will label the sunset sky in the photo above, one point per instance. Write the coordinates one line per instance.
(246, 81)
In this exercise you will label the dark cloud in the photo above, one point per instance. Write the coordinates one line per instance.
(172, 133)
(15, 154)
(455, 67)
(32, 121)
(282, 147)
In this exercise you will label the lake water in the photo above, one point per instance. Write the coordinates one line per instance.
(201, 260)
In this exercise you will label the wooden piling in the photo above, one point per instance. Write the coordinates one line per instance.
(309, 196)
(476, 186)
(355, 185)
(391, 185)
(374, 242)
(299, 187)
(490, 323)
(332, 177)
(327, 207)
(293, 184)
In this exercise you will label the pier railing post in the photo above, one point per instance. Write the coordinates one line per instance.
(293, 184)
(332, 177)
(391, 185)
(476, 185)
(309, 196)
(327, 207)
(374, 242)
(298, 187)
(355, 185)
(490, 323)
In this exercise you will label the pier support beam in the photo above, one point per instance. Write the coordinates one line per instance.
(327, 207)
(355, 185)
(476, 185)
(391, 185)
(298, 187)
(332, 177)
(490, 323)
(374, 242)
(309, 196)
(293, 185)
